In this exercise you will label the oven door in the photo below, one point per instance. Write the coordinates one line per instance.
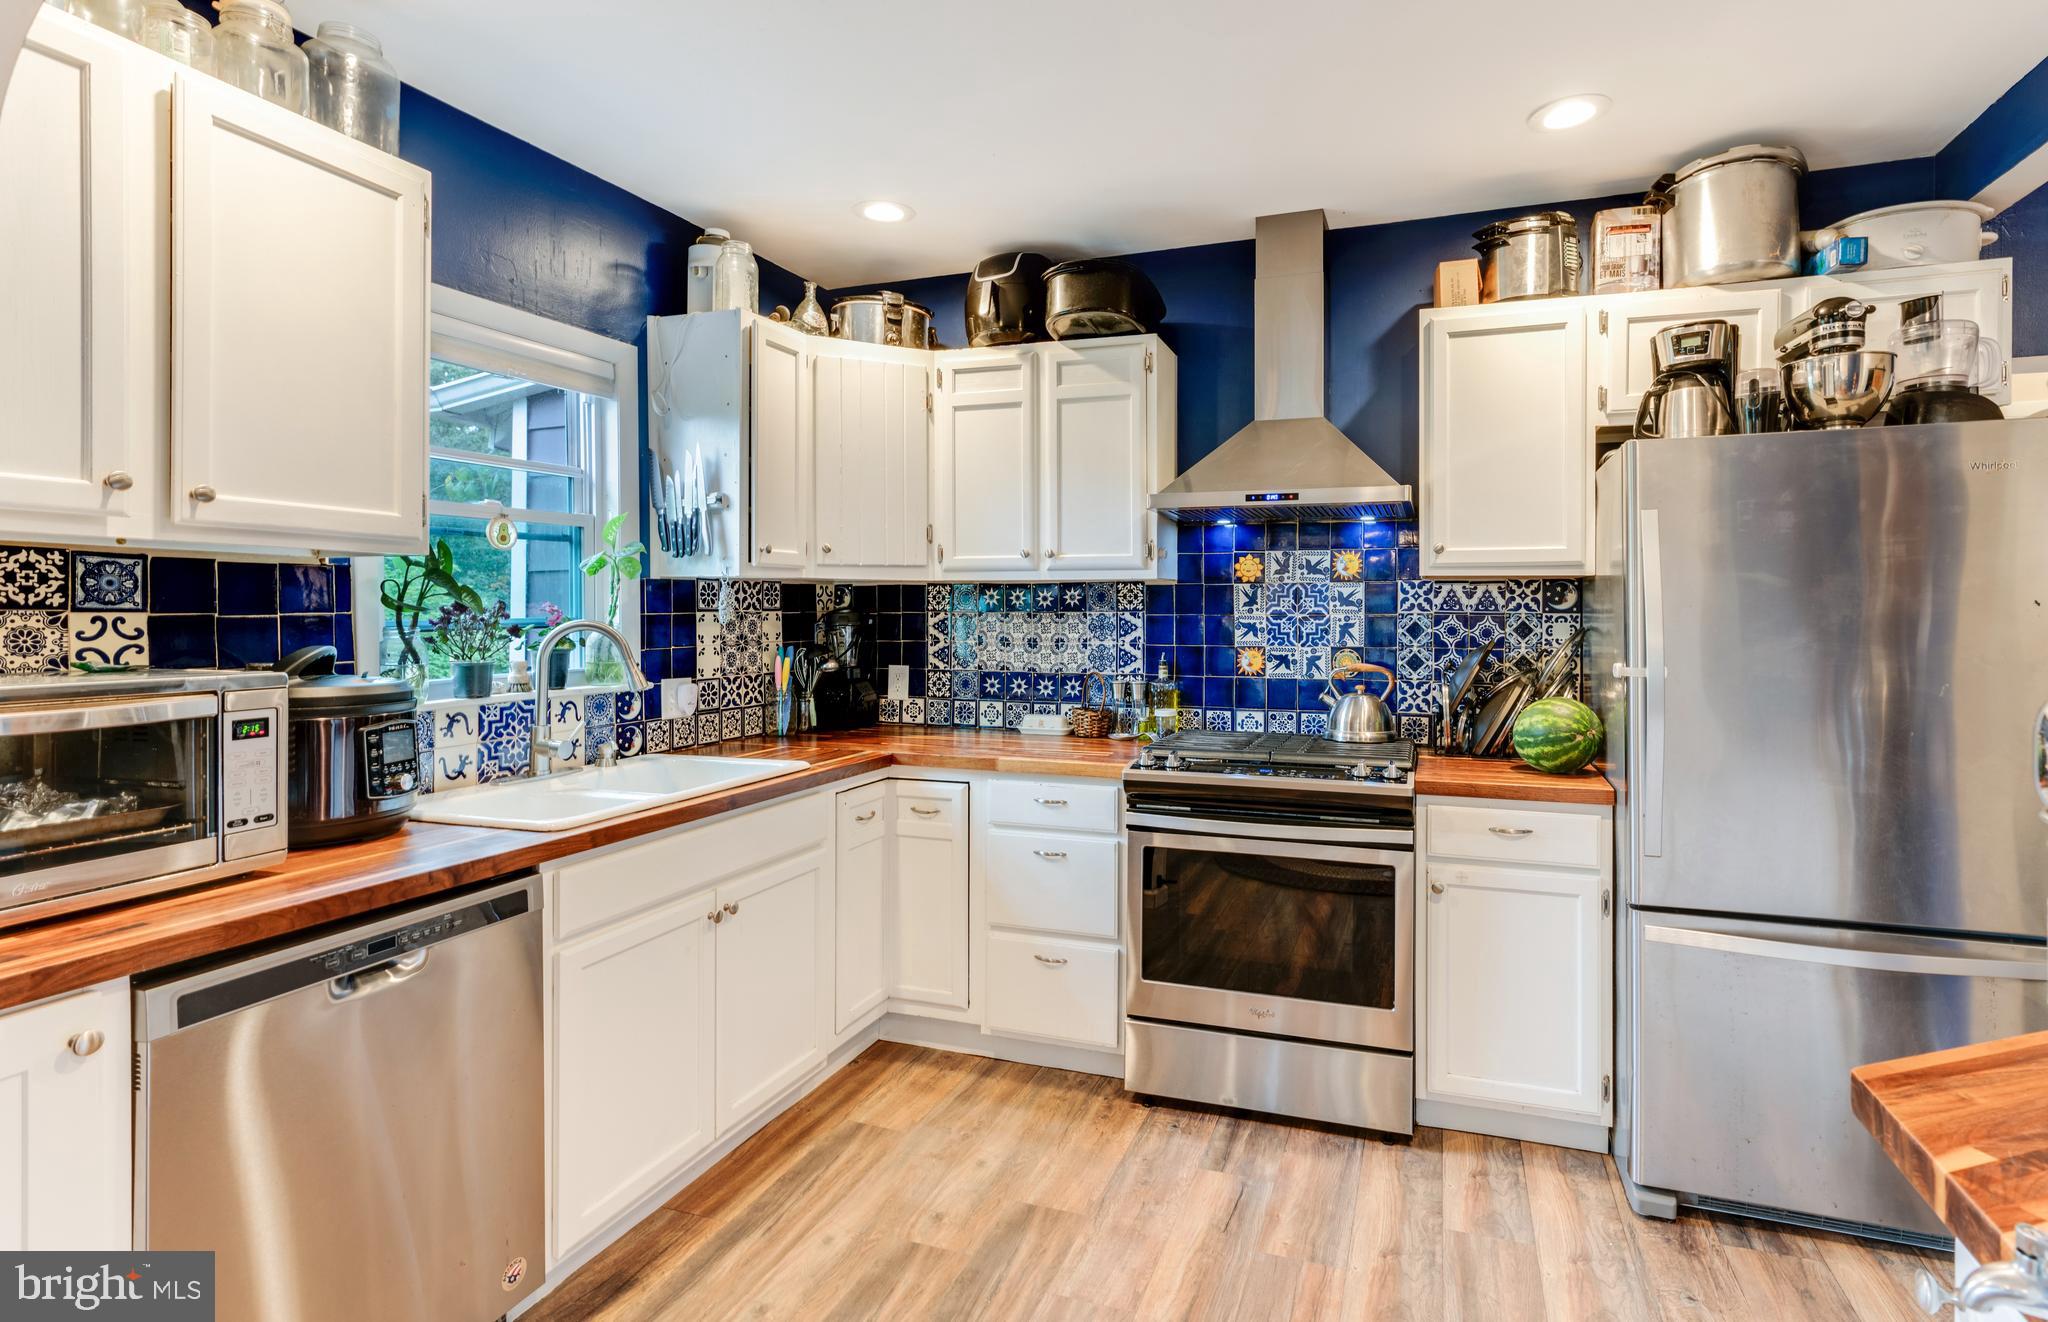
(1306, 936)
(99, 791)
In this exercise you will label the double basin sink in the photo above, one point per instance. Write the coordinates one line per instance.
(579, 798)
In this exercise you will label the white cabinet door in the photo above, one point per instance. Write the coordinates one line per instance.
(860, 873)
(1507, 453)
(1517, 987)
(781, 445)
(1623, 326)
(1097, 479)
(985, 474)
(632, 1064)
(770, 1032)
(871, 408)
(299, 320)
(928, 895)
(65, 1175)
(1970, 291)
(75, 430)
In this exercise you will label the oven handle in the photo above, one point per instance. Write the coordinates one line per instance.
(106, 715)
(1209, 833)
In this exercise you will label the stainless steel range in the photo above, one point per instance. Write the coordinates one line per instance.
(1271, 905)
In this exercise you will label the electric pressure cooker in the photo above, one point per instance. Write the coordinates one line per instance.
(355, 760)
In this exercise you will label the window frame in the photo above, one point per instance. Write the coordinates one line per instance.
(497, 337)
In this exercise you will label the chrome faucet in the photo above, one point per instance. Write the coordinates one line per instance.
(546, 748)
(2020, 1284)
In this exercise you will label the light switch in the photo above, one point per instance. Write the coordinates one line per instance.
(899, 682)
(679, 697)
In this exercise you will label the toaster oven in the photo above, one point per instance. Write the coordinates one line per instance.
(118, 785)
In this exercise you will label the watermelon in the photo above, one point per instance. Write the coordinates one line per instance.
(1558, 735)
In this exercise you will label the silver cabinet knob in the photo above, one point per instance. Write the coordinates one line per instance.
(1024, 555)
(825, 548)
(204, 494)
(733, 908)
(1438, 548)
(1436, 888)
(767, 550)
(84, 1044)
(118, 481)
(715, 916)
(1050, 553)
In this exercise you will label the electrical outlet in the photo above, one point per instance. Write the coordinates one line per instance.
(899, 682)
(679, 697)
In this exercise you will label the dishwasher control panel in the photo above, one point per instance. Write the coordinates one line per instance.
(356, 954)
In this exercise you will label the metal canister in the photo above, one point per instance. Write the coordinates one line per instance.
(884, 317)
(1535, 256)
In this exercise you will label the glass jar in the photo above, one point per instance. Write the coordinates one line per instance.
(168, 28)
(253, 49)
(736, 280)
(352, 87)
(122, 16)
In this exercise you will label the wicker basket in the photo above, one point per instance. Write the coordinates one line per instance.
(1094, 722)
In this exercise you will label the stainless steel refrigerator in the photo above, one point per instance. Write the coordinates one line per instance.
(1820, 656)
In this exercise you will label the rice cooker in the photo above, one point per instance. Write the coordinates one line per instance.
(354, 758)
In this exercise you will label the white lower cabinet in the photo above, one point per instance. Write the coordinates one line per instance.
(768, 959)
(630, 1105)
(927, 908)
(860, 977)
(1043, 986)
(65, 1106)
(1054, 872)
(1515, 961)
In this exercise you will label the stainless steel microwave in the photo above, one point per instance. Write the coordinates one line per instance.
(118, 785)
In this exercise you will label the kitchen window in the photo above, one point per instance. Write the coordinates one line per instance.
(533, 419)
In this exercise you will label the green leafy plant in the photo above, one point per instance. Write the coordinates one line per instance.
(465, 634)
(416, 584)
(622, 565)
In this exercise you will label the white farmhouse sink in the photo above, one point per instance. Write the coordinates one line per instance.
(578, 798)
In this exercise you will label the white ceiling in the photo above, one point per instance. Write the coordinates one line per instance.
(1100, 126)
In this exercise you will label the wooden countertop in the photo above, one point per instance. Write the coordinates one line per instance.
(314, 887)
(1969, 1129)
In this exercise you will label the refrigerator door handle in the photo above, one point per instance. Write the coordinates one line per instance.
(1652, 778)
(2031, 969)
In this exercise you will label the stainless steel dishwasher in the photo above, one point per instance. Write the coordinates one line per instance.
(352, 1125)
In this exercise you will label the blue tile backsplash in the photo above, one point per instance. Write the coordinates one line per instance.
(59, 607)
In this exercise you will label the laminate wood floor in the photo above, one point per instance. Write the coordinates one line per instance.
(922, 1184)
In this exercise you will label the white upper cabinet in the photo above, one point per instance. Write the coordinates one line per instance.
(1507, 454)
(782, 446)
(1622, 328)
(985, 471)
(1097, 455)
(299, 401)
(872, 412)
(72, 431)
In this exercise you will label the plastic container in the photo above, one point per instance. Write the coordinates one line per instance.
(1626, 243)
(122, 16)
(253, 49)
(168, 28)
(736, 280)
(702, 274)
(1945, 352)
(351, 87)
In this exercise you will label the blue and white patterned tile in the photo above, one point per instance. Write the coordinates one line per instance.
(1249, 599)
(1045, 688)
(1298, 614)
(890, 712)
(1014, 714)
(1017, 685)
(965, 712)
(108, 638)
(631, 705)
(107, 582)
(1412, 665)
(1521, 634)
(457, 722)
(632, 739)
(1412, 597)
(1280, 722)
(1417, 729)
(1045, 597)
(1413, 631)
(1250, 721)
(708, 727)
(937, 598)
(1130, 656)
(1558, 629)
(913, 711)
(455, 766)
(656, 733)
(503, 759)
(32, 642)
(1219, 718)
(1519, 594)
(33, 578)
(731, 724)
(1099, 655)
(1449, 631)
(1073, 688)
(1191, 718)
(1101, 596)
(1018, 599)
(991, 715)
(966, 685)
(1073, 597)
(938, 711)
(1315, 722)
(753, 721)
(565, 711)
(1560, 595)
(423, 736)
(1130, 597)
(505, 719)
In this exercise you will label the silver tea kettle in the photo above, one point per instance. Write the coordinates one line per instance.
(1359, 717)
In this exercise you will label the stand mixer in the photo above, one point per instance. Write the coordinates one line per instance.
(1831, 380)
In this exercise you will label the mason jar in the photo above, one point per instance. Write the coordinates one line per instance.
(353, 88)
(168, 28)
(253, 49)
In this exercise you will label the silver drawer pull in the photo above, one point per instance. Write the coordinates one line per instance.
(867, 816)
(86, 1043)
(1048, 959)
(924, 812)
(1050, 803)
(203, 494)
(1054, 854)
(1512, 832)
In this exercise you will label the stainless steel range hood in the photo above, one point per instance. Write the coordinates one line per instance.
(1290, 463)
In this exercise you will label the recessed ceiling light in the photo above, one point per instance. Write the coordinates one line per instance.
(1568, 112)
(886, 212)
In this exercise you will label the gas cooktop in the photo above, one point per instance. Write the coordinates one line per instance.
(1273, 757)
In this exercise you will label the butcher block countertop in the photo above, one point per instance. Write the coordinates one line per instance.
(1969, 1129)
(314, 887)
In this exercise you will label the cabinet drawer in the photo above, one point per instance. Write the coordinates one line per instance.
(863, 814)
(1059, 804)
(1565, 839)
(930, 803)
(1045, 987)
(1052, 882)
(596, 890)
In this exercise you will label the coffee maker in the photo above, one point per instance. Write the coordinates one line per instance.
(844, 697)
(1695, 367)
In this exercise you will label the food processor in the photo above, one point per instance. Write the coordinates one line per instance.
(1943, 365)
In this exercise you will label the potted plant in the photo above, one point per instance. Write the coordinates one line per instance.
(412, 585)
(621, 564)
(473, 641)
(557, 661)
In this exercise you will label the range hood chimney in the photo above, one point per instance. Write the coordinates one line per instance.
(1290, 463)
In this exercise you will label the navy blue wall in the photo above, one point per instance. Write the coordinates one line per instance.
(1378, 276)
(2008, 131)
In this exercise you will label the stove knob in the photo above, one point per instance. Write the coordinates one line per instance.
(1145, 760)
(1392, 773)
(1172, 760)
(1360, 771)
